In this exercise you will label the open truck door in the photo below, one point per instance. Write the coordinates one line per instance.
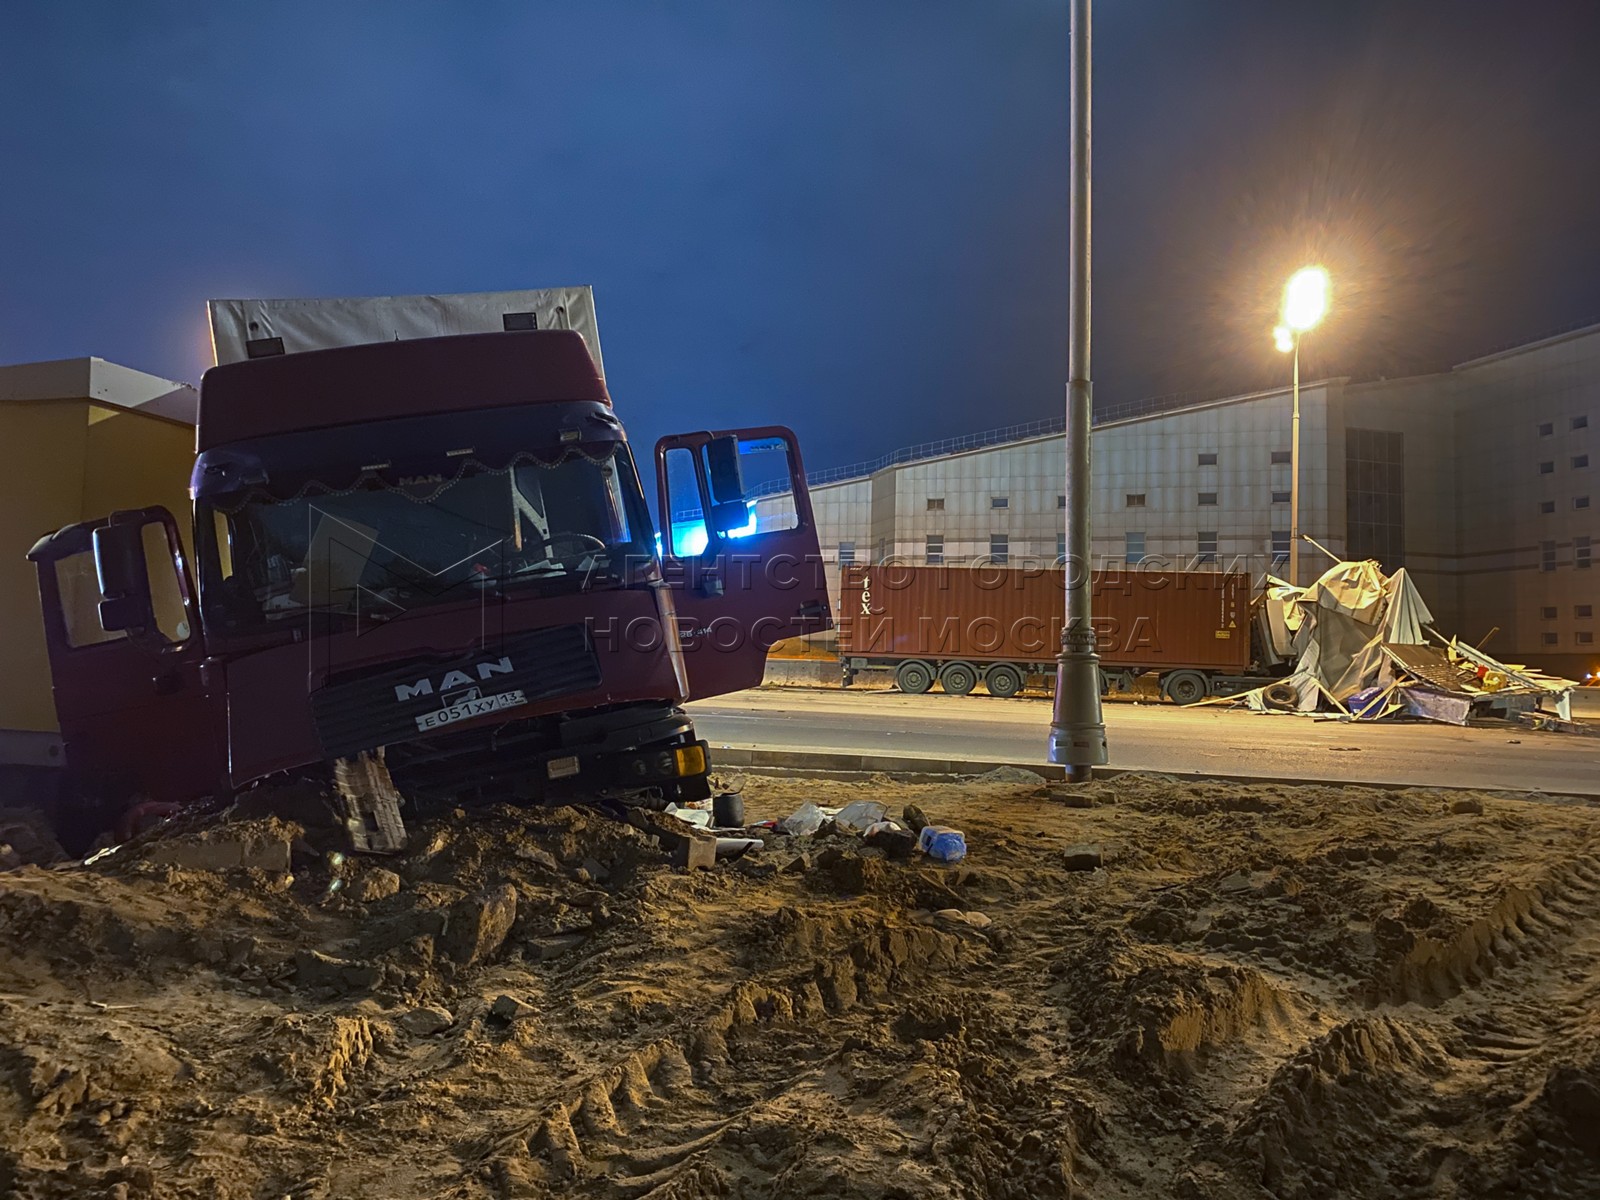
(739, 551)
(122, 630)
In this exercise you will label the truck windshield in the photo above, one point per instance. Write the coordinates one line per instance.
(384, 547)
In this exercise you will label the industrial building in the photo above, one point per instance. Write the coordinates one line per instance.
(1479, 480)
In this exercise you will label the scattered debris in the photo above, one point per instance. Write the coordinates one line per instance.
(859, 815)
(370, 804)
(1082, 858)
(479, 924)
(942, 844)
(509, 1008)
(426, 1021)
(263, 845)
(376, 884)
(808, 818)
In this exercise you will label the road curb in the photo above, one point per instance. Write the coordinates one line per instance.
(847, 763)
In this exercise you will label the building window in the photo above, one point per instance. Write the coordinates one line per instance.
(1061, 501)
(1208, 460)
(1546, 428)
(1135, 500)
(1547, 556)
(933, 550)
(847, 553)
(1280, 546)
(1282, 456)
(1206, 498)
(1584, 637)
(1547, 506)
(1549, 639)
(999, 548)
(1061, 548)
(1580, 502)
(1206, 547)
(1548, 612)
(1580, 461)
(999, 501)
(1583, 611)
(1375, 501)
(1580, 422)
(1281, 497)
(1547, 468)
(1133, 548)
(935, 503)
(1581, 552)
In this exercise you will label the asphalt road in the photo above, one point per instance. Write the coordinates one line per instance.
(1156, 738)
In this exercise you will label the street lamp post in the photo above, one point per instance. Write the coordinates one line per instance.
(1077, 729)
(1305, 301)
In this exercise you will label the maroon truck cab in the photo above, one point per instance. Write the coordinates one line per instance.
(438, 549)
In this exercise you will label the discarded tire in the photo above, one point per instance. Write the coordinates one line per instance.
(1281, 696)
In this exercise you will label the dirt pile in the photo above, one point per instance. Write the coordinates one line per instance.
(1242, 991)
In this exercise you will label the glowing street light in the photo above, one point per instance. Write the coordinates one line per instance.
(1305, 303)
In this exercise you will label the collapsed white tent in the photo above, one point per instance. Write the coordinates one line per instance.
(1363, 645)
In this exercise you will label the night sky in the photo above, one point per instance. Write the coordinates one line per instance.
(849, 217)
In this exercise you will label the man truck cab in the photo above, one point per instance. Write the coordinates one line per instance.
(431, 553)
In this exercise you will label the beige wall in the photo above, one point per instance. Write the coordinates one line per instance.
(69, 461)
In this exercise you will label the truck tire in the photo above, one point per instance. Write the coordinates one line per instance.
(959, 678)
(1003, 680)
(913, 678)
(1185, 687)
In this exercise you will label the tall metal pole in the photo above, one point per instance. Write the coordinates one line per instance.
(1077, 732)
(1294, 474)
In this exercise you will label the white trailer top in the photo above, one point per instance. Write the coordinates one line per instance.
(242, 329)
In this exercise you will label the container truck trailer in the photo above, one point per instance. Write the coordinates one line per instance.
(960, 626)
(417, 550)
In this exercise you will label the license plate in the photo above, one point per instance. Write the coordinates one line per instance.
(468, 709)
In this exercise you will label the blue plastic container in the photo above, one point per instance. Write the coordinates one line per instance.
(942, 844)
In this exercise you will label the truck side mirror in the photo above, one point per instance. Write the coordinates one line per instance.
(119, 564)
(722, 464)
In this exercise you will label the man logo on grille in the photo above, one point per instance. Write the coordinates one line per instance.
(455, 679)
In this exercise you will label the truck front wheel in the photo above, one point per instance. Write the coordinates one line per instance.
(1185, 687)
(914, 678)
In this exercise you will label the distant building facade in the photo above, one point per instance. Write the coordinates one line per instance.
(1483, 481)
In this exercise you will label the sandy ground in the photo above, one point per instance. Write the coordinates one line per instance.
(1259, 991)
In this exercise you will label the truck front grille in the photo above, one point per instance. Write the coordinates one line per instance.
(384, 706)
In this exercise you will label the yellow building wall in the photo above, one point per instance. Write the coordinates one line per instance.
(68, 461)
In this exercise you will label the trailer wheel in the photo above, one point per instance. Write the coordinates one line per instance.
(958, 678)
(913, 678)
(1003, 680)
(1185, 687)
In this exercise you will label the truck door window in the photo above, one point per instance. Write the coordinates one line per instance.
(686, 523)
(80, 593)
(764, 463)
(80, 601)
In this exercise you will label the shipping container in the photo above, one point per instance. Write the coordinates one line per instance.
(959, 626)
